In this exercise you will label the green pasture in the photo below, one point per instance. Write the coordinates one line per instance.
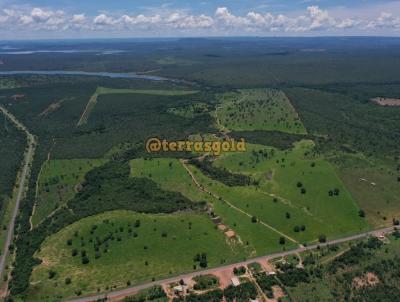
(160, 246)
(57, 184)
(170, 174)
(258, 109)
(283, 175)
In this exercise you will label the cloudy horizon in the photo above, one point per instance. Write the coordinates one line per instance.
(123, 19)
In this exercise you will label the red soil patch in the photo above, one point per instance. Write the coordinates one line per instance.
(230, 234)
(386, 102)
(224, 276)
(222, 227)
(367, 280)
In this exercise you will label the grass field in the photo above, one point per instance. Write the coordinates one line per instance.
(283, 175)
(170, 174)
(103, 90)
(259, 109)
(375, 187)
(57, 184)
(162, 245)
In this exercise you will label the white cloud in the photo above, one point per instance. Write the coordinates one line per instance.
(40, 15)
(223, 21)
(78, 19)
(223, 15)
(385, 20)
(103, 19)
(139, 19)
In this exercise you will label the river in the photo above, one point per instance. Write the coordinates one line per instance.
(87, 73)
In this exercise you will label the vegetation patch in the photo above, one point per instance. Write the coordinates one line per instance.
(293, 191)
(259, 109)
(190, 110)
(276, 139)
(58, 183)
(132, 244)
(250, 239)
(154, 293)
(103, 90)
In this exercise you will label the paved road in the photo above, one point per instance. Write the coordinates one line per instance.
(21, 188)
(134, 289)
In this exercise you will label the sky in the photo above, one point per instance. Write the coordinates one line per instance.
(57, 19)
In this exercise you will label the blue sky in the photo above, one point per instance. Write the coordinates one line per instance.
(153, 18)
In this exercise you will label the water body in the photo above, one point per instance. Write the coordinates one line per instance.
(113, 75)
(71, 51)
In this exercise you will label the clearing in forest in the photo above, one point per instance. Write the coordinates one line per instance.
(58, 182)
(103, 90)
(258, 109)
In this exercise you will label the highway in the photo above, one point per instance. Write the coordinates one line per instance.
(28, 158)
(134, 289)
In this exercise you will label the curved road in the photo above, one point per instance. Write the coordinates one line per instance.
(21, 188)
(134, 289)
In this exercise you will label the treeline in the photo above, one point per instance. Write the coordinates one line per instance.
(241, 293)
(345, 123)
(105, 188)
(155, 292)
(12, 145)
(221, 174)
(277, 139)
(355, 254)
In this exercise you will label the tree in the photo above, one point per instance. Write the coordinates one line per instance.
(203, 260)
(299, 184)
(282, 240)
(254, 219)
(296, 229)
(52, 274)
(322, 238)
(303, 191)
(85, 260)
(137, 223)
(361, 213)
(287, 215)
(68, 280)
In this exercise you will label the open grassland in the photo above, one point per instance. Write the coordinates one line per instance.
(58, 184)
(170, 174)
(103, 90)
(375, 186)
(258, 109)
(296, 182)
(124, 247)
